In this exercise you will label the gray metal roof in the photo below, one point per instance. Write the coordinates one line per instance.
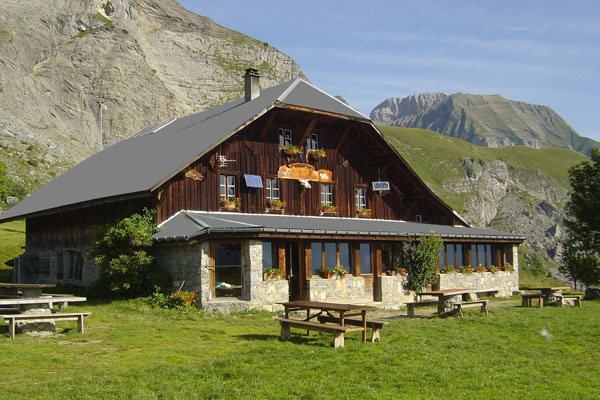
(187, 225)
(139, 164)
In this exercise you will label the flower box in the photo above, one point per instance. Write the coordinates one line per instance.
(328, 210)
(316, 154)
(364, 213)
(272, 274)
(231, 204)
(290, 150)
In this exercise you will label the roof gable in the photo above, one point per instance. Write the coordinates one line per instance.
(135, 166)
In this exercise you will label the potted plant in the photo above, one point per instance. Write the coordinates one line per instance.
(364, 213)
(271, 274)
(480, 268)
(185, 298)
(493, 269)
(390, 272)
(276, 204)
(449, 269)
(466, 269)
(401, 271)
(326, 273)
(231, 203)
(290, 150)
(328, 209)
(339, 271)
(318, 153)
(508, 267)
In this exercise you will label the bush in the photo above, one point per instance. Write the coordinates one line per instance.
(121, 252)
(422, 260)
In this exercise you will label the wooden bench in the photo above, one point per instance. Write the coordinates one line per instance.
(410, 306)
(527, 299)
(561, 297)
(12, 319)
(374, 325)
(337, 330)
(482, 304)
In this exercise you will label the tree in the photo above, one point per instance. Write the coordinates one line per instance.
(121, 251)
(581, 255)
(422, 261)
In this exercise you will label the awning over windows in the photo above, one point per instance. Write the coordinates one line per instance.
(253, 181)
(186, 225)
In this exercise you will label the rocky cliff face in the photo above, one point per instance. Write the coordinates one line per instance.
(148, 60)
(485, 120)
(499, 196)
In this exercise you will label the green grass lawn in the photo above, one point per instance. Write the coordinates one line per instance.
(12, 238)
(132, 351)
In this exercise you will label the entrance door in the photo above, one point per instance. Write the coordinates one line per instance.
(292, 270)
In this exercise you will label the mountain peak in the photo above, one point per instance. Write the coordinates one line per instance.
(485, 120)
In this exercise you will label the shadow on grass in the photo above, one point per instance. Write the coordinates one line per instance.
(295, 339)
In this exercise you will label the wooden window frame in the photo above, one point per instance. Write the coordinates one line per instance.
(213, 265)
(358, 206)
(227, 175)
(312, 144)
(269, 188)
(324, 185)
(283, 137)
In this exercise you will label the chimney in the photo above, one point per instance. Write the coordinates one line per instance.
(251, 85)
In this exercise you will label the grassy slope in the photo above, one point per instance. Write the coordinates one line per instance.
(12, 238)
(129, 351)
(424, 150)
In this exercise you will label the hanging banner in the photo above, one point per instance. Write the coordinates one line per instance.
(307, 172)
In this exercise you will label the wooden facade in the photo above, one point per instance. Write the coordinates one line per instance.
(355, 154)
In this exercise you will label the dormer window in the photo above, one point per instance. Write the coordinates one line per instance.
(285, 137)
(313, 142)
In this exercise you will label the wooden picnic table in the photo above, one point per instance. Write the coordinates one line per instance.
(447, 297)
(551, 292)
(27, 289)
(343, 310)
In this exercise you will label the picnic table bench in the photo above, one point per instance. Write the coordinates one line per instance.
(482, 304)
(375, 326)
(12, 319)
(337, 330)
(575, 297)
(410, 306)
(527, 299)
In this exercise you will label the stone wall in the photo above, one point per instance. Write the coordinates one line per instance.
(263, 295)
(507, 282)
(351, 288)
(184, 263)
(392, 293)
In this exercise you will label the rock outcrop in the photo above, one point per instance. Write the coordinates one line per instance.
(147, 60)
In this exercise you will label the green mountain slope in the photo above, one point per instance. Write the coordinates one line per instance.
(487, 120)
(518, 189)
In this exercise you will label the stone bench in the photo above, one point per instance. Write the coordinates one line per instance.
(576, 299)
(410, 306)
(482, 304)
(337, 330)
(12, 319)
(527, 299)
(374, 325)
(492, 292)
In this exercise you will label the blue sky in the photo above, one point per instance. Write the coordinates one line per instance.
(541, 52)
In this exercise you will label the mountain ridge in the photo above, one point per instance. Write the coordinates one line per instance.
(485, 120)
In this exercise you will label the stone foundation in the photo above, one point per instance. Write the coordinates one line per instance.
(393, 292)
(351, 288)
(506, 281)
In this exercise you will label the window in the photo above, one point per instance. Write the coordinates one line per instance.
(227, 186)
(228, 269)
(285, 137)
(267, 255)
(331, 253)
(365, 258)
(313, 142)
(326, 195)
(272, 189)
(360, 198)
(72, 264)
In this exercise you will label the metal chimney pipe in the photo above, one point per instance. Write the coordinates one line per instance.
(251, 84)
